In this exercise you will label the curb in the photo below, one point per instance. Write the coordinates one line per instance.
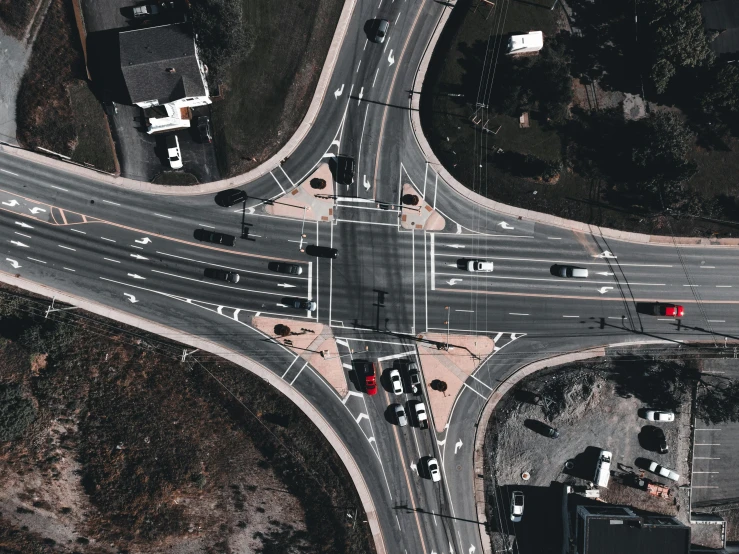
(240, 180)
(239, 359)
(520, 213)
(500, 391)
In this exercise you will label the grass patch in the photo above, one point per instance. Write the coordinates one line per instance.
(15, 15)
(175, 178)
(267, 94)
(94, 143)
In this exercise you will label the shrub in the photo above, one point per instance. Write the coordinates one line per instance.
(16, 412)
(282, 330)
(410, 199)
(319, 184)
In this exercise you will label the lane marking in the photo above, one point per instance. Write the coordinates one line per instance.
(165, 216)
(470, 311)
(288, 367)
(705, 458)
(716, 321)
(66, 248)
(204, 225)
(275, 275)
(77, 231)
(60, 188)
(23, 235)
(109, 240)
(723, 286)
(563, 281)
(9, 172)
(570, 316)
(395, 356)
(116, 261)
(216, 284)
(35, 260)
(111, 202)
(514, 313)
(69, 269)
(559, 261)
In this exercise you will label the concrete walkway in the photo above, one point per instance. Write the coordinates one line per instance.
(14, 55)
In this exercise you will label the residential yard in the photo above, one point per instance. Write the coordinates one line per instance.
(267, 94)
(94, 142)
(109, 443)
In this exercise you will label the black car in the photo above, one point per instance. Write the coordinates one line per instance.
(659, 440)
(345, 170)
(215, 238)
(299, 304)
(321, 251)
(230, 197)
(221, 275)
(280, 267)
(204, 129)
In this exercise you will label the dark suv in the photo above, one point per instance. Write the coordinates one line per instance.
(345, 170)
(221, 275)
(230, 197)
(215, 238)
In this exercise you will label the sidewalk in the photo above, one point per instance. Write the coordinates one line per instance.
(306, 202)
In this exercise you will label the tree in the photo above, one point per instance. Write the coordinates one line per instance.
(220, 31)
(16, 412)
(552, 84)
(718, 403)
(717, 89)
(282, 330)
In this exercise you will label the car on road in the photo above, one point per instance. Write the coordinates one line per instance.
(421, 417)
(345, 167)
(657, 415)
(370, 380)
(516, 506)
(668, 310)
(479, 266)
(281, 267)
(433, 466)
(381, 30)
(215, 238)
(414, 377)
(321, 251)
(571, 271)
(230, 197)
(299, 304)
(221, 275)
(204, 129)
(400, 416)
(658, 440)
(396, 381)
(654, 467)
(174, 155)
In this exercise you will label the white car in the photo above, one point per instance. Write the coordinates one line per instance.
(655, 415)
(173, 152)
(654, 467)
(400, 415)
(479, 266)
(396, 381)
(433, 467)
(516, 506)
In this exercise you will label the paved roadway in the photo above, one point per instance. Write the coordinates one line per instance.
(136, 252)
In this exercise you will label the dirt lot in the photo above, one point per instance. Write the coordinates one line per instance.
(593, 406)
(111, 444)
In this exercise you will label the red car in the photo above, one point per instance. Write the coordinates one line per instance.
(370, 381)
(669, 310)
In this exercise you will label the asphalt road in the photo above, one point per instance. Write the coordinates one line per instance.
(137, 252)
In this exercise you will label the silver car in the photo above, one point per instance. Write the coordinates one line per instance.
(516, 506)
(400, 415)
(381, 31)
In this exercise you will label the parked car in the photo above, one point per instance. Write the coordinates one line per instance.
(345, 170)
(400, 416)
(421, 416)
(370, 380)
(396, 381)
(479, 266)
(147, 10)
(658, 440)
(414, 377)
(204, 129)
(516, 506)
(571, 271)
(281, 267)
(381, 31)
(215, 238)
(300, 304)
(668, 310)
(221, 275)
(230, 197)
(321, 251)
(654, 467)
(174, 155)
(433, 467)
(657, 415)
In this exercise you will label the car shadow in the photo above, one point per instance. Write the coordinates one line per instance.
(384, 380)
(646, 438)
(646, 308)
(390, 415)
(538, 427)
(462, 263)
(423, 470)
(643, 463)
(370, 28)
(357, 375)
(554, 270)
(583, 465)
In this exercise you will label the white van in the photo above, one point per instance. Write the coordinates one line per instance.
(603, 469)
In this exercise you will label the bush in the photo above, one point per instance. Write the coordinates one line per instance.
(319, 184)
(282, 330)
(410, 199)
(16, 412)
(220, 32)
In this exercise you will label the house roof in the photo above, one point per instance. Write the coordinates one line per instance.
(618, 534)
(532, 41)
(159, 63)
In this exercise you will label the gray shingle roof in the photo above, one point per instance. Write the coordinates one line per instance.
(159, 63)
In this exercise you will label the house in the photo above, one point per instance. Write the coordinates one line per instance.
(160, 67)
(522, 44)
(609, 529)
(722, 17)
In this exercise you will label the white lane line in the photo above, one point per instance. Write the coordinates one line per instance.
(396, 19)
(470, 311)
(286, 175)
(278, 182)
(115, 261)
(359, 65)
(706, 429)
(23, 235)
(473, 390)
(705, 458)
(666, 319)
(554, 238)
(707, 444)
(66, 248)
(514, 313)
(716, 321)
(570, 316)
(723, 286)
(433, 262)
(109, 240)
(342, 342)
(291, 364)
(708, 267)
(164, 216)
(622, 317)
(298, 375)
(375, 79)
(35, 260)
(691, 285)
(60, 188)
(500, 277)
(69, 269)
(9, 172)
(139, 247)
(281, 276)
(556, 261)
(346, 366)
(395, 356)
(110, 202)
(204, 225)
(78, 231)
(365, 44)
(216, 284)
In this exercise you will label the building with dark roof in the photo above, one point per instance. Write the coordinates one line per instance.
(722, 17)
(606, 529)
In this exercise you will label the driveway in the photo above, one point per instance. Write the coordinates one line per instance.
(13, 57)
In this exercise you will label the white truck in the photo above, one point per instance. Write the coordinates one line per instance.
(603, 469)
(421, 416)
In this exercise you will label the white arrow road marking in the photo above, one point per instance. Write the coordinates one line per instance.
(458, 445)
(338, 92)
(606, 254)
(441, 443)
(471, 550)
(36, 210)
(459, 229)
(365, 182)
(145, 240)
(11, 203)
(361, 93)
(453, 245)
(136, 276)
(390, 58)
(19, 244)
(505, 225)
(454, 281)
(139, 257)
(451, 548)
(15, 264)
(285, 285)
(604, 290)
(413, 467)
(604, 273)
(281, 305)
(130, 297)
(22, 224)
(361, 417)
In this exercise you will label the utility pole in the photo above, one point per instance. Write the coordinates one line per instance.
(53, 309)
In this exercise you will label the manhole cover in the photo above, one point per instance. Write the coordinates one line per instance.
(525, 476)
(459, 468)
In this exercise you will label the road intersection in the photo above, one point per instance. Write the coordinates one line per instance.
(136, 252)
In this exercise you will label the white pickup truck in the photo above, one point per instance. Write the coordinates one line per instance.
(421, 417)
